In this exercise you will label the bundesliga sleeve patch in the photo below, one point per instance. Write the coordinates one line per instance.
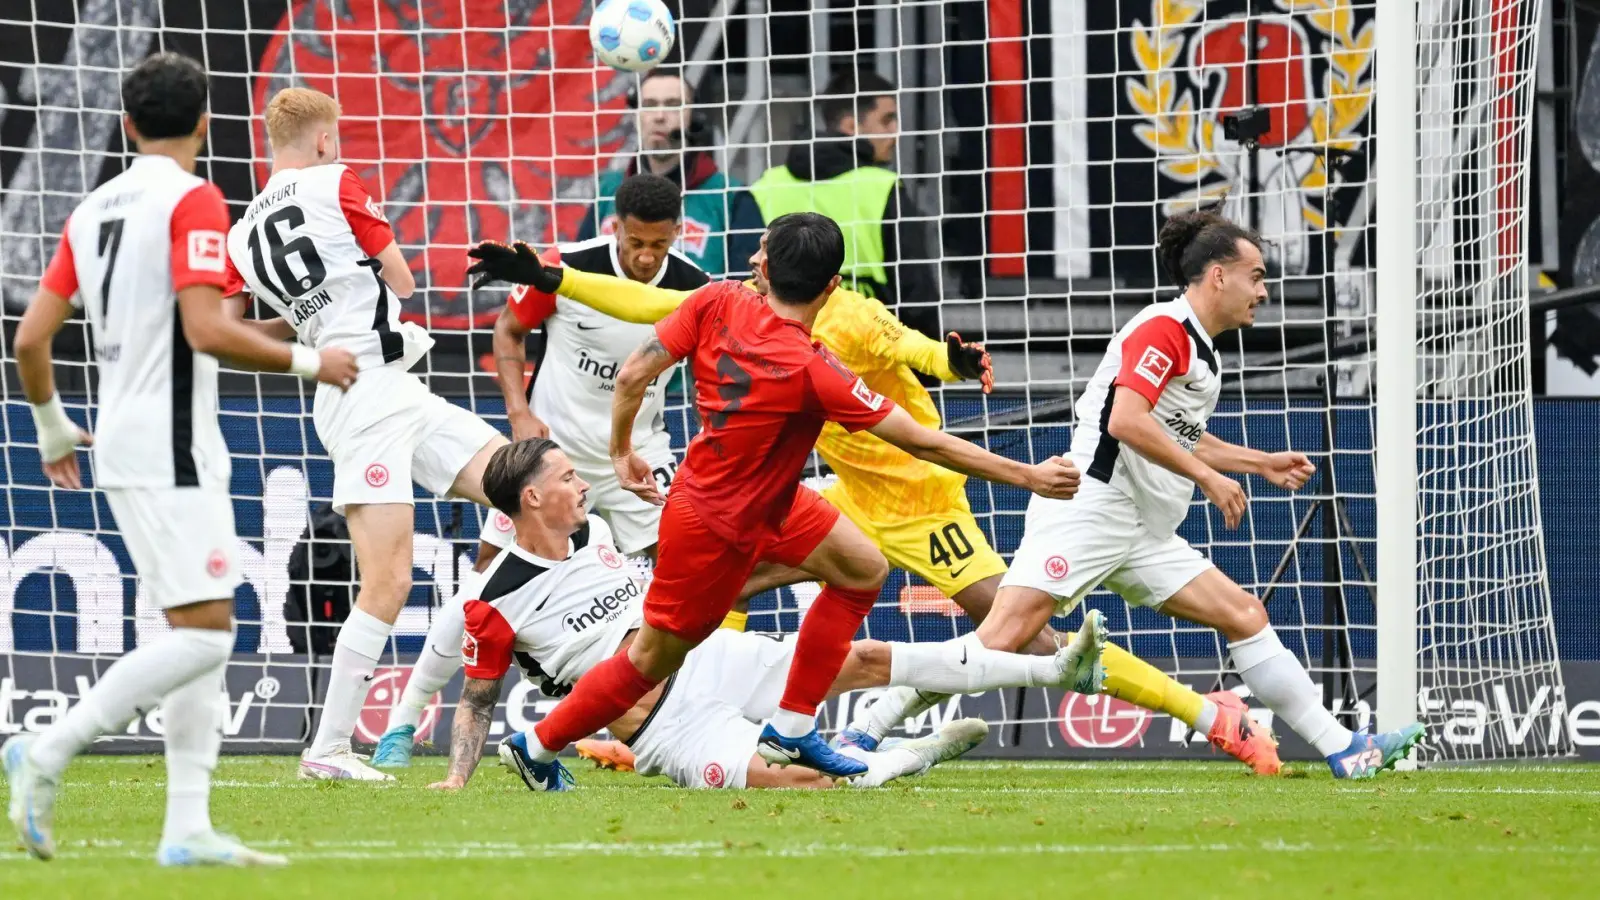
(208, 251)
(1154, 366)
(872, 399)
(374, 211)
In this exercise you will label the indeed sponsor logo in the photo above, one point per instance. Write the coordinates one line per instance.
(603, 608)
(1188, 433)
(605, 371)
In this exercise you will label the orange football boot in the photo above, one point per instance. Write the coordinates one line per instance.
(1235, 733)
(615, 755)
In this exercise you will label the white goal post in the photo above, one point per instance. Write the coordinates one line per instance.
(1041, 143)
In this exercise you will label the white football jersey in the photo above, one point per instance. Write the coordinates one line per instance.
(307, 246)
(584, 349)
(127, 250)
(555, 618)
(1166, 356)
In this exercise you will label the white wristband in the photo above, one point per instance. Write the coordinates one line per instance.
(58, 434)
(304, 361)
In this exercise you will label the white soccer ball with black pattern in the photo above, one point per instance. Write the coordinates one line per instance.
(632, 35)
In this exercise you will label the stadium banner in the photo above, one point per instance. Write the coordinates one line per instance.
(268, 703)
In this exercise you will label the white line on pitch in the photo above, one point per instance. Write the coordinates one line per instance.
(380, 850)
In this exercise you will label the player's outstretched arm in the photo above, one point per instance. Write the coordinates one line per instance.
(58, 435)
(1055, 477)
(620, 298)
(1287, 469)
(642, 367)
(210, 327)
(474, 715)
(510, 364)
(1133, 426)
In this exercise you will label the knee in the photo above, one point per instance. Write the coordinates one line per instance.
(869, 664)
(386, 585)
(866, 572)
(1247, 618)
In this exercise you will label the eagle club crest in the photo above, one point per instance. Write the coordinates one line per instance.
(467, 120)
(1313, 67)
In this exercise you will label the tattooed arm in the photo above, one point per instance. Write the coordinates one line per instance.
(642, 368)
(473, 717)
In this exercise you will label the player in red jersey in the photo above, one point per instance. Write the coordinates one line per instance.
(764, 390)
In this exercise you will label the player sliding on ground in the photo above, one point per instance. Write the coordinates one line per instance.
(763, 392)
(562, 600)
(143, 257)
(916, 512)
(1141, 436)
(316, 249)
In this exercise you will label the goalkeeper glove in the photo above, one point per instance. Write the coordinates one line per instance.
(970, 361)
(516, 263)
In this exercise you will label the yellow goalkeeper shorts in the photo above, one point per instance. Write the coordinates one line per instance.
(947, 549)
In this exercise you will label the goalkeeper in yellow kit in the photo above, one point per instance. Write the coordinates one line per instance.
(916, 513)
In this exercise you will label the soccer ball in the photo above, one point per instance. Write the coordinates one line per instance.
(632, 35)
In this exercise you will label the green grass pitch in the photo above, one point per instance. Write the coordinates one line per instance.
(977, 829)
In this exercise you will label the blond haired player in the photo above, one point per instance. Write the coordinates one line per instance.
(143, 258)
(917, 513)
(315, 248)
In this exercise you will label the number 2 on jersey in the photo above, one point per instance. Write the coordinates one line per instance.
(110, 236)
(732, 393)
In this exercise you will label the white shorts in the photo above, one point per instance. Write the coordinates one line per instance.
(704, 730)
(634, 522)
(181, 541)
(388, 431)
(1071, 547)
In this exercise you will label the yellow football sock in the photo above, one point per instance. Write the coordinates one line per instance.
(1132, 679)
(735, 620)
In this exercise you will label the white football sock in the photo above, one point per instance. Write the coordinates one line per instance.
(966, 666)
(892, 708)
(133, 686)
(439, 660)
(192, 719)
(361, 642)
(1274, 675)
(536, 748)
(792, 724)
(1207, 717)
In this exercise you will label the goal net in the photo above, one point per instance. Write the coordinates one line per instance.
(1040, 146)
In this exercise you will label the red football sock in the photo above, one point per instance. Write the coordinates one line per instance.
(825, 635)
(602, 695)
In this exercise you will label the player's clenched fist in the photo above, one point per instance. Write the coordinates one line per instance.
(1288, 470)
(1226, 494)
(338, 368)
(1056, 478)
(636, 477)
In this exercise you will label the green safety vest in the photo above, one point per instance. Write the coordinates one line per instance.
(855, 199)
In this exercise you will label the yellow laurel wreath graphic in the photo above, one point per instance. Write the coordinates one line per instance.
(1185, 140)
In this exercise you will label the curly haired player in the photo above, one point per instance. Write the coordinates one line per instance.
(916, 512)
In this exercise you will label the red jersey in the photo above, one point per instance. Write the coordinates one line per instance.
(764, 390)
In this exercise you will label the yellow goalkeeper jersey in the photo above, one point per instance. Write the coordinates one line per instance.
(882, 480)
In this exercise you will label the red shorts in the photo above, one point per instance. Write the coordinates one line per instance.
(698, 574)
